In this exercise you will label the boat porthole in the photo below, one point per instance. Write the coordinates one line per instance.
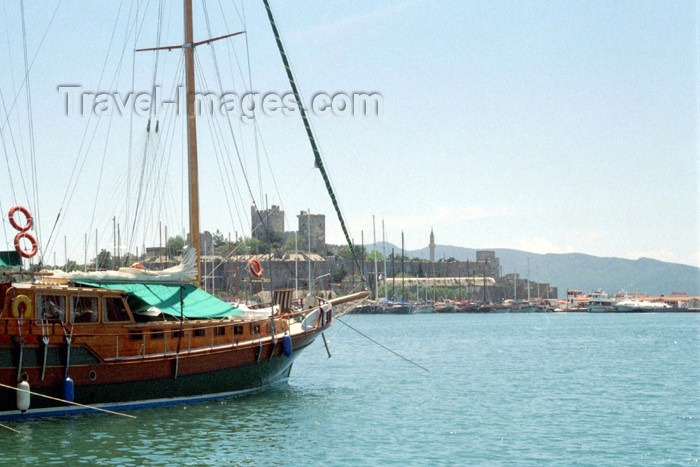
(92, 375)
(24, 377)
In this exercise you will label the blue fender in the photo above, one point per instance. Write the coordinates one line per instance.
(287, 345)
(68, 392)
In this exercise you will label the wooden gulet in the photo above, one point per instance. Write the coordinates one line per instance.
(113, 359)
(72, 341)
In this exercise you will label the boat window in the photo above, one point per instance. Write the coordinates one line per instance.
(136, 335)
(220, 331)
(238, 329)
(199, 332)
(83, 309)
(51, 307)
(114, 310)
(157, 334)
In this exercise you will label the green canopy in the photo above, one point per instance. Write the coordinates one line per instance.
(197, 304)
(9, 259)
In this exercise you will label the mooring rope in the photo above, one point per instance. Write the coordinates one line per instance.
(99, 409)
(383, 346)
(9, 428)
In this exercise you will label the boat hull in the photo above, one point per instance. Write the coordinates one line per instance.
(397, 308)
(526, 309)
(600, 309)
(153, 382)
(444, 308)
(628, 309)
(366, 309)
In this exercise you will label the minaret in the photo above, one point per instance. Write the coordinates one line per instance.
(432, 246)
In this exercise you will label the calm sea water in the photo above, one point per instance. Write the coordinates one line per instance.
(593, 389)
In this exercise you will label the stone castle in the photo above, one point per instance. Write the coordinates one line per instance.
(268, 224)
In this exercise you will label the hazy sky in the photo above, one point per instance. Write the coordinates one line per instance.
(549, 126)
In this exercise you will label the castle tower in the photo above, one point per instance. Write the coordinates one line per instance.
(432, 246)
(317, 224)
(266, 224)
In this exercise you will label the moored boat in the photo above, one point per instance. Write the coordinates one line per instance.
(365, 308)
(525, 307)
(74, 342)
(423, 307)
(396, 307)
(97, 344)
(444, 307)
(631, 305)
(599, 302)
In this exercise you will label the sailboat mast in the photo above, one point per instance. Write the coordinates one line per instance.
(192, 137)
(376, 283)
(308, 236)
(386, 289)
(528, 280)
(402, 275)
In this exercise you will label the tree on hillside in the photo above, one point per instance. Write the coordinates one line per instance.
(289, 244)
(128, 259)
(218, 238)
(345, 253)
(175, 245)
(104, 260)
(253, 246)
(222, 246)
(370, 256)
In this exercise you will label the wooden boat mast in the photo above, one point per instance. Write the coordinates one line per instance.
(193, 176)
(192, 138)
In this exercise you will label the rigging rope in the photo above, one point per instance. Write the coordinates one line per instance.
(30, 120)
(78, 165)
(238, 152)
(19, 125)
(248, 88)
(159, 155)
(309, 133)
(218, 138)
(41, 42)
(4, 229)
(14, 146)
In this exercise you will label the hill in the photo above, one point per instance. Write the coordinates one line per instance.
(580, 271)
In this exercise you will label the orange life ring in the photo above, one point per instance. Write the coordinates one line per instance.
(255, 268)
(13, 222)
(138, 266)
(32, 240)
